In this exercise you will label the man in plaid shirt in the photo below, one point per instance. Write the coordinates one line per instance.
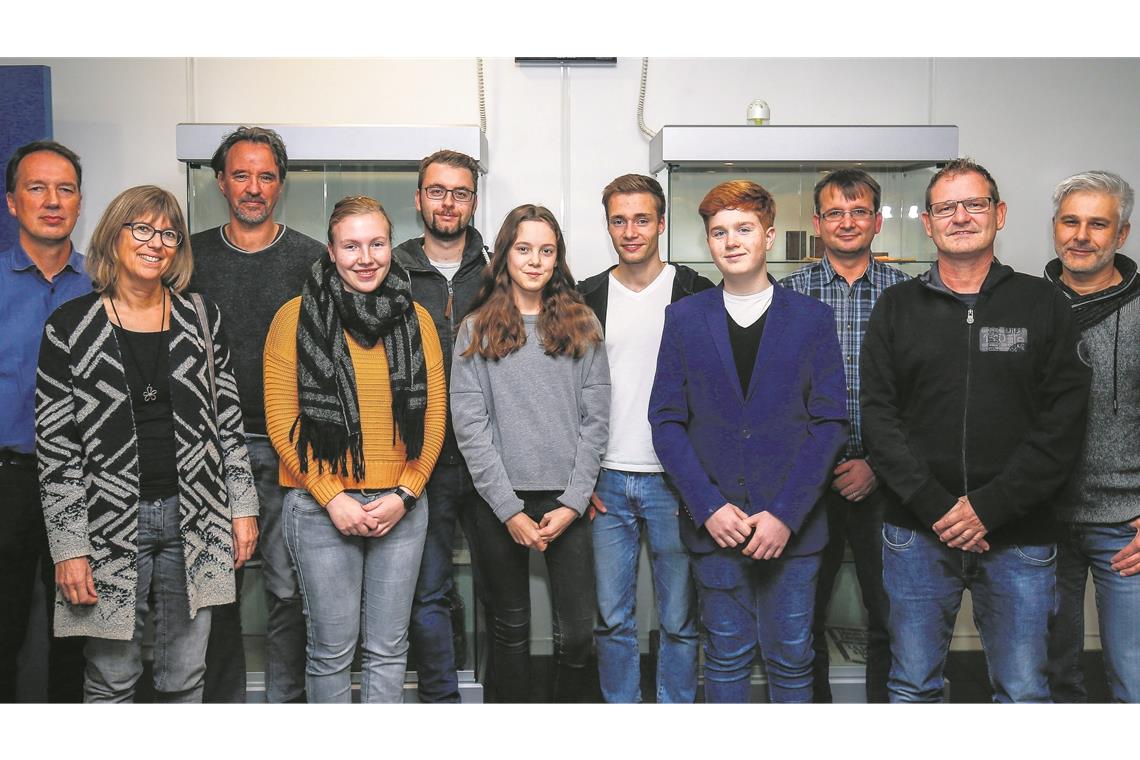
(849, 280)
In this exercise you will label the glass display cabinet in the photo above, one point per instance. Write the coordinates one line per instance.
(326, 163)
(788, 161)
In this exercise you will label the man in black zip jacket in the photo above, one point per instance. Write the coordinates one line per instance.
(446, 267)
(632, 495)
(973, 397)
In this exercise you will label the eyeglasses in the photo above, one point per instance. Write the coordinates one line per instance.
(143, 232)
(857, 215)
(458, 194)
(972, 206)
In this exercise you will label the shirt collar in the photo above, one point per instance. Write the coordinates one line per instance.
(20, 261)
(829, 273)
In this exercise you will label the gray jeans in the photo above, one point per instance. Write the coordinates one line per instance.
(354, 588)
(114, 666)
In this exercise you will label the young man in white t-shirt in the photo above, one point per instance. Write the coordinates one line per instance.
(632, 496)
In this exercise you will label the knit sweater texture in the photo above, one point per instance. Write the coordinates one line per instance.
(530, 421)
(249, 288)
(1105, 486)
(385, 460)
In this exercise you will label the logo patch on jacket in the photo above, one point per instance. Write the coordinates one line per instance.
(1003, 339)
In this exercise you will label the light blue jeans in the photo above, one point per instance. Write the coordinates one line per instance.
(1084, 547)
(637, 501)
(354, 588)
(1013, 590)
(114, 666)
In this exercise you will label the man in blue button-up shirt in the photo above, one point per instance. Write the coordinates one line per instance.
(38, 274)
(849, 280)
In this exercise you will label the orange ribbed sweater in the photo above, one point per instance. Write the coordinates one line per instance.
(385, 463)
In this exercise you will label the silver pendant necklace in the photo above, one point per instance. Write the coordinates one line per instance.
(150, 393)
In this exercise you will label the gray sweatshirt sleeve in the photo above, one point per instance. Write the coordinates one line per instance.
(594, 430)
(471, 421)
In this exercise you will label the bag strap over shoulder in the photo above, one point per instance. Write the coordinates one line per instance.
(208, 339)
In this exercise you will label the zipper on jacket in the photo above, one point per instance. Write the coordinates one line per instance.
(447, 311)
(966, 397)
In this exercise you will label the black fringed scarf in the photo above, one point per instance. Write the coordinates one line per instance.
(329, 422)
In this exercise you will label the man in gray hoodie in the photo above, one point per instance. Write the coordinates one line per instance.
(1099, 510)
(446, 267)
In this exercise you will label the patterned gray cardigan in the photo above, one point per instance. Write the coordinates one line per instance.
(88, 461)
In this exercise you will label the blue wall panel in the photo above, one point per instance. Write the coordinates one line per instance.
(25, 115)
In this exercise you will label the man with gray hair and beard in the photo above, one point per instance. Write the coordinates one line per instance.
(249, 267)
(1099, 510)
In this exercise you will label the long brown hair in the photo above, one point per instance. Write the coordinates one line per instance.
(566, 325)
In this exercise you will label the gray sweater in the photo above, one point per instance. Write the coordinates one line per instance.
(531, 422)
(1105, 486)
(249, 288)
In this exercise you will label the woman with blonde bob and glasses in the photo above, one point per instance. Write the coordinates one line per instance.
(355, 405)
(145, 480)
(530, 395)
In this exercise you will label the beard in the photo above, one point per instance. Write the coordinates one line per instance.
(250, 216)
(441, 233)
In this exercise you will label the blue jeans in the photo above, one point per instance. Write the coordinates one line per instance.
(571, 572)
(633, 501)
(452, 497)
(354, 588)
(859, 523)
(1084, 547)
(1013, 590)
(748, 605)
(114, 666)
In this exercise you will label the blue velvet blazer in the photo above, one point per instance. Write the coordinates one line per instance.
(771, 447)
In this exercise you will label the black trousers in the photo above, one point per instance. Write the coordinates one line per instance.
(23, 548)
(860, 524)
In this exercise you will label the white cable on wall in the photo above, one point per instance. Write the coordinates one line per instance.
(641, 100)
(482, 96)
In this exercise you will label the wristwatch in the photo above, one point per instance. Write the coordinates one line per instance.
(409, 499)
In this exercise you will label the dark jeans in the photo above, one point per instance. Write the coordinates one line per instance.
(285, 620)
(1084, 547)
(570, 565)
(23, 548)
(451, 497)
(751, 607)
(861, 524)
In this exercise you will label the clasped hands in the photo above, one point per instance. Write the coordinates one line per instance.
(539, 535)
(763, 534)
(371, 520)
(960, 528)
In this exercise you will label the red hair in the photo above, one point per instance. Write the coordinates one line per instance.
(740, 195)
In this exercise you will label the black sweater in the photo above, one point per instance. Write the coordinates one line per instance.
(447, 302)
(986, 401)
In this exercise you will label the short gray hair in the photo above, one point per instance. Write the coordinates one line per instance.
(1097, 182)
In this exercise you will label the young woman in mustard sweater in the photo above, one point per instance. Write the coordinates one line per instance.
(355, 405)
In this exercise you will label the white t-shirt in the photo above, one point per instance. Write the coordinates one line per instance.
(745, 310)
(446, 268)
(634, 323)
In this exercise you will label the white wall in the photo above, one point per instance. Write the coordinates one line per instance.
(1031, 122)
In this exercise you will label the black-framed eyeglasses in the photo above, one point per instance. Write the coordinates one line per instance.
(972, 205)
(857, 214)
(458, 194)
(143, 232)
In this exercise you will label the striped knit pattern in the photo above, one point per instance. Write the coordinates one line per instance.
(386, 463)
(88, 460)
